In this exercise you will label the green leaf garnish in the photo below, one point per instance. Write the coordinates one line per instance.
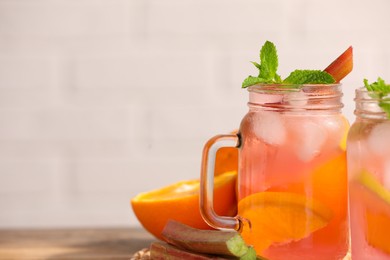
(268, 61)
(309, 77)
(249, 81)
(268, 67)
(257, 65)
(379, 90)
(380, 87)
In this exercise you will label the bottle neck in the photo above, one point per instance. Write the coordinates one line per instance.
(368, 104)
(296, 98)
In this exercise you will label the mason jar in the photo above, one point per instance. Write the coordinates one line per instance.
(292, 176)
(368, 153)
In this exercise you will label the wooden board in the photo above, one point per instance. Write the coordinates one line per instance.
(113, 243)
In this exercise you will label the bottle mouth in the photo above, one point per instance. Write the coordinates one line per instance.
(368, 103)
(362, 94)
(296, 97)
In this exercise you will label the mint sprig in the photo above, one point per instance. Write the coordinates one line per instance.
(309, 77)
(269, 62)
(268, 67)
(380, 87)
(380, 90)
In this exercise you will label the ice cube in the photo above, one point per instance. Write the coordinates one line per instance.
(297, 99)
(337, 128)
(356, 150)
(261, 98)
(333, 123)
(379, 139)
(270, 127)
(309, 139)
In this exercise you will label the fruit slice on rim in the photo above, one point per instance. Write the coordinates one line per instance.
(341, 66)
(280, 217)
(180, 202)
(377, 201)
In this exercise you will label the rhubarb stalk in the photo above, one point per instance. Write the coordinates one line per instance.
(163, 251)
(215, 242)
(341, 66)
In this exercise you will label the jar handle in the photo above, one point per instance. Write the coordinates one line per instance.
(207, 182)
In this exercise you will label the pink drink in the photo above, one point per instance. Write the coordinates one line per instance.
(295, 146)
(292, 181)
(369, 180)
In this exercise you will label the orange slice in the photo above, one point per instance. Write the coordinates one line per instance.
(280, 217)
(378, 230)
(180, 202)
(327, 183)
(377, 201)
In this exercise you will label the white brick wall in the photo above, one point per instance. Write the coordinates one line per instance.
(101, 100)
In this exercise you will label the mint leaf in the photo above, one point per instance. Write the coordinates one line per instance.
(385, 105)
(249, 81)
(309, 77)
(268, 61)
(379, 90)
(380, 87)
(257, 65)
(278, 79)
(267, 67)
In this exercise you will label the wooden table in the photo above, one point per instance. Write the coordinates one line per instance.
(110, 243)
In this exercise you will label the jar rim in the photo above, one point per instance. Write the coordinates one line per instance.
(362, 93)
(367, 103)
(294, 97)
(288, 87)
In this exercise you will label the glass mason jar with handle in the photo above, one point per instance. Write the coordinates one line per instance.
(292, 178)
(368, 155)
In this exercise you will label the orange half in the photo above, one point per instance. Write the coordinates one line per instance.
(180, 202)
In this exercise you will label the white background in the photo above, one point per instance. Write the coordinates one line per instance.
(103, 99)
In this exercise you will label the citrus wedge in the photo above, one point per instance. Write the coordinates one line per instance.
(377, 212)
(280, 217)
(180, 202)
